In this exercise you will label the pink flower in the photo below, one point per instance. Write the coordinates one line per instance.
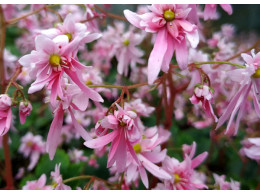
(77, 156)
(148, 153)
(57, 178)
(5, 113)
(184, 178)
(210, 10)
(69, 27)
(125, 133)
(39, 184)
(222, 184)
(203, 94)
(24, 111)
(248, 78)
(170, 22)
(128, 52)
(251, 148)
(52, 59)
(32, 146)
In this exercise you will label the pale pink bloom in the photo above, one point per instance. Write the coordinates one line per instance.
(25, 109)
(9, 63)
(94, 77)
(149, 153)
(222, 184)
(202, 124)
(93, 162)
(128, 52)
(99, 185)
(249, 79)
(39, 184)
(170, 22)
(9, 10)
(57, 179)
(69, 27)
(210, 10)
(204, 95)
(75, 10)
(125, 133)
(184, 171)
(24, 77)
(251, 148)
(139, 107)
(228, 30)
(52, 59)
(77, 156)
(32, 146)
(5, 113)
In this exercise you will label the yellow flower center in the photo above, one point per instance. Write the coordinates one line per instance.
(29, 143)
(55, 60)
(137, 148)
(169, 15)
(88, 82)
(122, 124)
(176, 178)
(69, 36)
(126, 42)
(257, 73)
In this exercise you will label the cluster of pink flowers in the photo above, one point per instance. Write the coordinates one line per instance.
(70, 63)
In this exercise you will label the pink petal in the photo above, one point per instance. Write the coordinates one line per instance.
(83, 133)
(193, 38)
(227, 8)
(45, 44)
(256, 102)
(198, 160)
(230, 107)
(54, 132)
(154, 169)
(157, 55)
(92, 94)
(155, 157)
(168, 54)
(144, 177)
(133, 18)
(182, 53)
(101, 141)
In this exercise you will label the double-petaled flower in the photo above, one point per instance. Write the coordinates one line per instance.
(172, 24)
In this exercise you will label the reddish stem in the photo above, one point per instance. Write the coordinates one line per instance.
(8, 163)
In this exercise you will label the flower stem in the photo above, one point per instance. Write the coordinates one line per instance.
(119, 86)
(198, 64)
(110, 14)
(14, 20)
(8, 162)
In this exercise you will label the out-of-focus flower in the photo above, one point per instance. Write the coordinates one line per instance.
(251, 148)
(32, 146)
(5, 113)
(39, 184)
(57, 179)
(210, 10)
(222, 184)
(77, 156)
